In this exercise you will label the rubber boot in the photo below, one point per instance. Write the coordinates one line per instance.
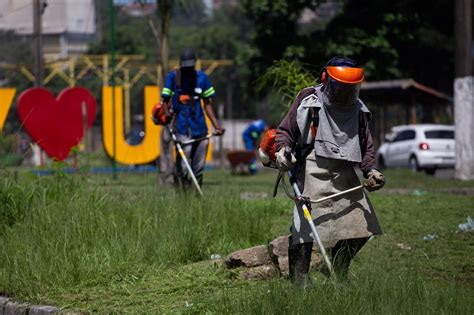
(299, 259)
(199, 180)
(342, 255)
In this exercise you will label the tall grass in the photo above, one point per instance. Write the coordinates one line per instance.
(78, 233)
(15, 204)
(97, 245)
(391, 293)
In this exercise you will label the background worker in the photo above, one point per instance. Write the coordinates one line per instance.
(323, 136)
(250, 137)
(182, 93)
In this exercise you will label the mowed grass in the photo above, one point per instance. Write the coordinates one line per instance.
(93, 244)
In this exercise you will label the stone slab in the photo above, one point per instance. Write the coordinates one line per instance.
(250, 257)
(42, 310)
(16, 308)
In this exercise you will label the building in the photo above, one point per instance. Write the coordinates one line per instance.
(326, 10)
(68, 26)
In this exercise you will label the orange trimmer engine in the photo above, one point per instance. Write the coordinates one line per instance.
(158, 114)
(267, 148)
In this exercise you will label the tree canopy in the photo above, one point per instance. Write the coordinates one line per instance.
(390, 39)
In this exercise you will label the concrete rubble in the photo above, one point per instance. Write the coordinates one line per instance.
(267, 261)
(11, 307)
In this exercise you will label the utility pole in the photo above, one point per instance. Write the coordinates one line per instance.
(165, 8)
(38, 9)
(463, 90)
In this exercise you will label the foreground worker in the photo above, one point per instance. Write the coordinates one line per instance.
(181, 96)
(250, 137)
(323, 136)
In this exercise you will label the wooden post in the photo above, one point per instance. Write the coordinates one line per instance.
(37, 34)
(381, 124)
(436, 114)
(220, 114)
(38, 10)
(413, 117)
(126, 92)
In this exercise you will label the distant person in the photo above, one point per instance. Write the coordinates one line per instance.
(250, 137)
(182, 94)
(321, 139)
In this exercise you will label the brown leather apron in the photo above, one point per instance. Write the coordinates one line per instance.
(346, 217)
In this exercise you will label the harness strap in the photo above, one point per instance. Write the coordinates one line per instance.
(184, 99)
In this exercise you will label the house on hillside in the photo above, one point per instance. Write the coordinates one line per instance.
(68, 26)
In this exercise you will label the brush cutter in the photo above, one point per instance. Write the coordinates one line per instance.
(179, 147)
(267, 155)
(191, 141)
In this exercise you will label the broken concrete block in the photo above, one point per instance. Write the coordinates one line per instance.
(250, 257)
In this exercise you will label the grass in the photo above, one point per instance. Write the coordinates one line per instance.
(91, 244)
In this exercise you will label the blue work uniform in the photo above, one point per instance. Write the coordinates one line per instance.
(189, 118)
(250, 137)
(252, 132)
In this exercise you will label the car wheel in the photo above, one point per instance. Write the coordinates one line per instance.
(413, 162)
(381, 163)
(430, 171)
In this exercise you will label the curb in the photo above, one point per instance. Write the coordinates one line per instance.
(9, 306)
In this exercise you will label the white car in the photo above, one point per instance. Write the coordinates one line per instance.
(421, 147)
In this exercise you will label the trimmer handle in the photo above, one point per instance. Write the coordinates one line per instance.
(214, 134)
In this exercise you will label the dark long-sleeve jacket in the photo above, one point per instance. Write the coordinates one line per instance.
(288, 132)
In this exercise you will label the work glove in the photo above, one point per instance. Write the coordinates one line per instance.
(264, 157)
(375, 180)
(160, 115)
(219, 131)
(285, 159)
(163, 121)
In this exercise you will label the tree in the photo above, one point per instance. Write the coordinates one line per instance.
(164, 8)
(275, 30)
(390, 39)
(394, 39)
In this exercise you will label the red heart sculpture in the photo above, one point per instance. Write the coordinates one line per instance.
(56, 125)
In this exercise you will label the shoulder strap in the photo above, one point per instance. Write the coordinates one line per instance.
(177, 75)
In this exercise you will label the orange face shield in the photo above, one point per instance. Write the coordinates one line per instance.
(346, 75)
(342, 84)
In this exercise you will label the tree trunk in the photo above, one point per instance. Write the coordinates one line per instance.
(164, 13)
(166, 164)
(463, 90)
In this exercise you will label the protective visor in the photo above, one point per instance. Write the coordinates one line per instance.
(346, 75)
(341, 94)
